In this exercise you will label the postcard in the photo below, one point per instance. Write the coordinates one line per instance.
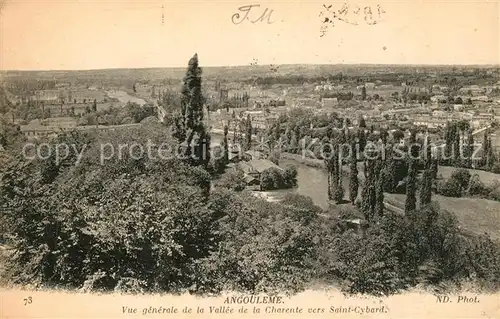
(232, 159)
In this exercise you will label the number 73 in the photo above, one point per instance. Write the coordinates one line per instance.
(28, 301)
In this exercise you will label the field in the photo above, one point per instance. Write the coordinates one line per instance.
(485, 177)
(478, 216)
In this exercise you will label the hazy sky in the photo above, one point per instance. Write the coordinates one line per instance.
(68, 34)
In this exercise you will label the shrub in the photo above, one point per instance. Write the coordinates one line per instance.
(269, 179)
(449, 188)
(477, 188)
(232, 179)
(496, 168)
(494, 191)
(462, 176)
(274, 157)
(290, 176)
(338, 196)
(301, 202)
(346, 212)
(274, 178)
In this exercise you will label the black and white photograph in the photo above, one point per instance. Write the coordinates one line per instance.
(255, 152)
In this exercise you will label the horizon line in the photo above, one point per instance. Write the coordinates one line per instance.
(259, 65)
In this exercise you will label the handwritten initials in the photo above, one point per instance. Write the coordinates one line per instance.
(246, 9)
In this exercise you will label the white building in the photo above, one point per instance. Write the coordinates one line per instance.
(329, 102)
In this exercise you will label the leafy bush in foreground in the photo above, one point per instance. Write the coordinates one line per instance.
(399, 252)
(121, 224)
(265, 247)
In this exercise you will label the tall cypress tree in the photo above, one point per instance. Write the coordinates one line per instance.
(362, 139)
(338, 192)
(410, 203)
(339, 189)
(426, 188)
(468, 149)
(412, 143)
(329, 164)
(225, 145)
(383, 136)
(248, 133)
(456, 148)
(235, 128)
(484, 148)
(449, 137)
(489, 154)
(361, 121)
(379, 189)
(353, 177)
(276, 134)
(388, 171)
(334, 167)
(434, 168)
(331, 167)
(293, 143)
(368, 193)
(189, 128)
(411, 178)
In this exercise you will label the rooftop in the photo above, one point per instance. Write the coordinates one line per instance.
(258, 165)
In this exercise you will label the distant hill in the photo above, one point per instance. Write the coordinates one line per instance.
(235, 72)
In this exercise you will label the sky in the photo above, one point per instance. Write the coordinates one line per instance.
(67, 35)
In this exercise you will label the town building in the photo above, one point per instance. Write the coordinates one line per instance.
(481, 120)
(52, 127)
(261, 119)
(254, 168)
(481, 98)
(439, 98)
(430, 121)
(329, 102)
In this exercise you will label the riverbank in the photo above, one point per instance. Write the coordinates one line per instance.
(124, 97)
(319, 164)
(311, 162)
(477, 216)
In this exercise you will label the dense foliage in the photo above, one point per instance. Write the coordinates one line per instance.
(128, 114)
(399, 252)
(154, 225)
(232, 179)
(273, 178)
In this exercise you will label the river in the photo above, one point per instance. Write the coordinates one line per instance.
(311, 181)
(124, 97)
